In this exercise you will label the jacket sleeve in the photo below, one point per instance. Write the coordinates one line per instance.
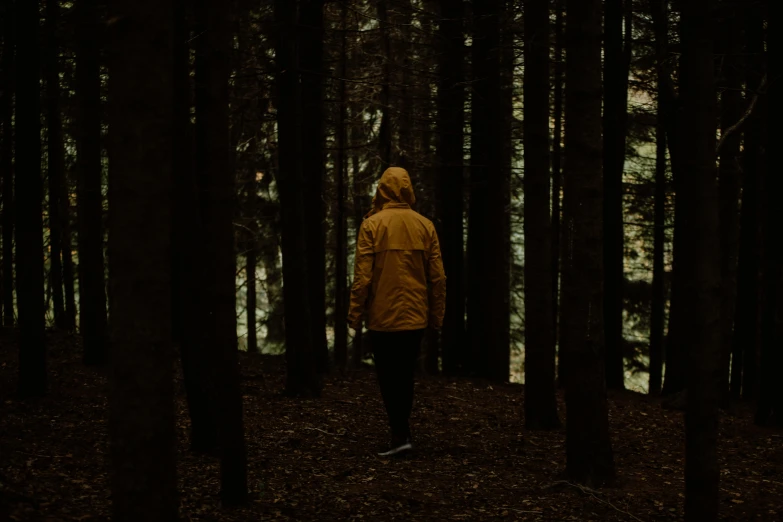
(362, 276)
(437, 279)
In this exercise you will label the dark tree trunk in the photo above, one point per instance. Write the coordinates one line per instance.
(250, 272)
(311, 24)
(746, 338)
(186, 233)
(450, 147)
(588, 446)
(658, 302)
(56, 162)
(770, 406)
(361, 201)
(540, 400)
(29, 195)
(700, 262)
(302, 375)
(216, 183)
(487, 178)
(385, 131)
(616, 68)
(92, 292)
(557, 175)
(6, 165)
(275, 326)
(729, 181)
(142, 429)
(340, 167)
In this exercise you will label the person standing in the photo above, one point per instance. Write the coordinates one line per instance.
(398, 291)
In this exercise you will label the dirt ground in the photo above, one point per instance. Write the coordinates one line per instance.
(315, 459)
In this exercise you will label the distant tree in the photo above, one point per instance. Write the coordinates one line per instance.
(540, 400)
(92, 292)
(557, 167)
(302, 376)
(588, 445)
(142, 430)
(617, 62)
(450, 150)
(700, 262)
(28, 204)
(6, 163)
(216, 186)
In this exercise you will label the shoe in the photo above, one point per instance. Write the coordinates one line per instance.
(397, 448)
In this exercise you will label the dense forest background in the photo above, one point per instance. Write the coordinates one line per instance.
(193, 175)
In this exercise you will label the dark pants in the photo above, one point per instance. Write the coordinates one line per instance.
(395, 355)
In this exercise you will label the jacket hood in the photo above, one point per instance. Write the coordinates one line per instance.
(395, 188)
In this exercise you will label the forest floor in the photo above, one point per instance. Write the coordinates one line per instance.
(315, 459)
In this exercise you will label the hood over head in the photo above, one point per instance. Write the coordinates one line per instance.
(395, 188)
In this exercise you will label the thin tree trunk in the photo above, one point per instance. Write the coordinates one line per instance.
(729, 183)
(56, 161)
(250, 273)
(92, 292)
(616, 69)
(770, 406)
(700, 263)
(29, 196)
(385, 131)
(557, 176)
(301, 369)
(6, 165)
(588, 446)
(450, 123)
(748, 281)
(540, 400)
(216, 200)
(658, 301)
(311, 23)
(141, 393)
(341, 276)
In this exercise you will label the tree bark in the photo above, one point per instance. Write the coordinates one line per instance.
(729, 176)
(216, 183)
(700, 262)
(311, 23)
(250, 272)
(6, 164)
(56, 162)
(92, 292)
(588, 446)
(385, 131)
(141, 393)
(340, 167)
(746, 340)
(540, 400)
(616, 68)
(301, 370)
(557, 176)
(29, 196)
(450, 149)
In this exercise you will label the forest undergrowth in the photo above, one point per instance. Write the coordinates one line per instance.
(314, 459)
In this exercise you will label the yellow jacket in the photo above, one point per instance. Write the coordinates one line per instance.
(399, 283)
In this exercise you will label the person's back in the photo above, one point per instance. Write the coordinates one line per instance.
(400, 289)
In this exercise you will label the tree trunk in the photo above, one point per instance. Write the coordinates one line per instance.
(275, 325)
(301, 369)
(616, 68)
(729, 183)
(142, 429)
(92, 293)
(6, 165)
(250, 272)
(29, 195)
(385, 131)
(748, 281)
(700, 262)
(540, 400)
(216, 181)
(770, 406)
(557, 175)
(311, 27)
(588, 446)
(450, 144)
(340, 167)
(361, 201)
(56, 161)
